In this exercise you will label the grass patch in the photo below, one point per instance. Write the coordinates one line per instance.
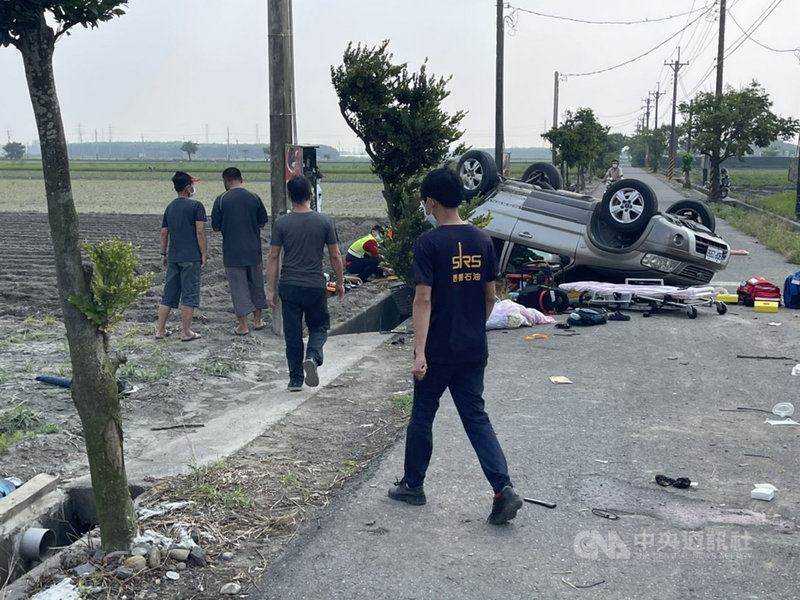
(402, 404)
(769, 231)
(215, 368)
(211, 486)
(781, 204)
(141, 375)
(759, 177)
(20, 423)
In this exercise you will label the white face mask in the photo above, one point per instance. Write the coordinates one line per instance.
(614, 165)
(191, 194)
(377, 237)
(428, 216)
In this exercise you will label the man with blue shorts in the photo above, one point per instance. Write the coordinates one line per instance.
(183, 255)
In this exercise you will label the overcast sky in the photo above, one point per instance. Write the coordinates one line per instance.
(196, 69)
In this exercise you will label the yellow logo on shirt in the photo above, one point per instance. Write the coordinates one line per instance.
(466, 261)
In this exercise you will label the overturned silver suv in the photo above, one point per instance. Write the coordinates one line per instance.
(622, 236)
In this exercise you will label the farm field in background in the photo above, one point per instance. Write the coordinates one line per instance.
(119, 194)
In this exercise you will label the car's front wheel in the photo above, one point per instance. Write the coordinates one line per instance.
(544, 175)
(628, 205)
(478, 171)
(694, 211)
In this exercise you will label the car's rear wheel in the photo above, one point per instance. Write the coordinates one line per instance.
(628, 205)
(543, 173)
(694, 211)
(478, 171)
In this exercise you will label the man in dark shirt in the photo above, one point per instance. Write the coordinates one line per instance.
(240, 215)
(455, 269)
(183, 254)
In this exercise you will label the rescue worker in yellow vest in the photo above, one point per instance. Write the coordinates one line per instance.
(364, 256)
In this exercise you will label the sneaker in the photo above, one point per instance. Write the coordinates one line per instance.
(310, 367)
(505, 507)
(295, 385)
(405, 493)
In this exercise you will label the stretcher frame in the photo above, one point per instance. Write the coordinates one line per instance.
(647, 297)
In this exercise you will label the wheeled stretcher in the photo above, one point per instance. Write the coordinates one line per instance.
(650, 298)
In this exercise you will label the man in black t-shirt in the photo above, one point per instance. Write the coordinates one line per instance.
(183, 255)
(455, 269)
(240, 215)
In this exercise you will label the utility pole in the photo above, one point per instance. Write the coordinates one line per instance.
(555, 110)
(499, 142)
(657, 94)
(676, 66)
(714, 191)
(281, 82)
(647, 111)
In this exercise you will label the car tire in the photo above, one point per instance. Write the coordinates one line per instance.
(543, 173)
(694, 211)
(628, 205)
(478, 171)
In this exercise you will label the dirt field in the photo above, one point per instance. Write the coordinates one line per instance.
(288, 472)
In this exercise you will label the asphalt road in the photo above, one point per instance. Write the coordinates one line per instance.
(648, 396)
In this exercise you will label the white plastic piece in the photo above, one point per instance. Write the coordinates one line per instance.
(783, 409)
(762, 494)
(768, 486)
(796, 369)
(784, 422)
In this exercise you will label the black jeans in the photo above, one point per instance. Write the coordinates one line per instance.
(298, 302)
(363, 267)
(465, 382)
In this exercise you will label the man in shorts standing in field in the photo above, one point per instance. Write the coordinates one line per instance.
(454, 269)
(240, 215)
(302, 235)
(183, 255)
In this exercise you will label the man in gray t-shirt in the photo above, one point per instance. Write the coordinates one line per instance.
(240, 215)
(302, 235)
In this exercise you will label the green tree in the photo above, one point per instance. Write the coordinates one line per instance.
(190, 148)
(579, 142)
(687, 164)
(14, 150)
(732, 124)
(33, 28)
(398, 117)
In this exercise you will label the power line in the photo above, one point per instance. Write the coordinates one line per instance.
(746, 34)
(587, 22)
(627, 62)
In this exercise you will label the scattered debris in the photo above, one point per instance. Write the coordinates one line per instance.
(581, 586)
(535, 336)
(783, 409)
(540, 502)
(605, 513)
(782, 422)
(765, 357)
(739, 252)
(560, 379)
(179, 426)
(681, 482)
(763, 491)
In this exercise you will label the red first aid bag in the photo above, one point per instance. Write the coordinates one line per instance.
(757, 288)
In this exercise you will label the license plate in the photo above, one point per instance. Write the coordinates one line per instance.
(715, 255)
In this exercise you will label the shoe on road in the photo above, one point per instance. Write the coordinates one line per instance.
(312, 377)
(295, 385)
(505, 507)
(405, 493)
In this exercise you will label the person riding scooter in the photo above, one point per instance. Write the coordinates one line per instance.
(613, 174)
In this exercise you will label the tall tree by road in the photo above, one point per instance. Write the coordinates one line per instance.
(190, 148)
(732, 124)
(397, 115)
(579, 142)
(26, 26)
